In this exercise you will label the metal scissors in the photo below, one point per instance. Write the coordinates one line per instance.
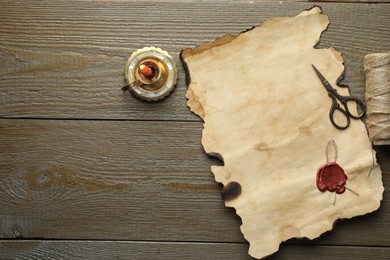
(345, 101)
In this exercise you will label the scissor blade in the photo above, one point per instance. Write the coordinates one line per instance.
(322, 78)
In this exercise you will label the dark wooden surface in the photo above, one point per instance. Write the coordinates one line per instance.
(87, 171)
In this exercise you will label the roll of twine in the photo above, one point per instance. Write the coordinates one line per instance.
(377, 70)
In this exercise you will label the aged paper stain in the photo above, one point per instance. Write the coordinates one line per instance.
(266, 117)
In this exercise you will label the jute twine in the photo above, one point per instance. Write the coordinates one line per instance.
(377, 69)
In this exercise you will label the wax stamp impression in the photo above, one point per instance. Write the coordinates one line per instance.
(331, 177)
(266, 116)
(151, 74)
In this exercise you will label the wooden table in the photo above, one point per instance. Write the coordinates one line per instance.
(87, 171)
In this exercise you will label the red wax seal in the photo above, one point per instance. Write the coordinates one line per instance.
(331, 177)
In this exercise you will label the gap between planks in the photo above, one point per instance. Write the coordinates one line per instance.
(100, 119)
(146, 250)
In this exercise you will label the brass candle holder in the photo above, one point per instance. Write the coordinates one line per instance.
(151, 74)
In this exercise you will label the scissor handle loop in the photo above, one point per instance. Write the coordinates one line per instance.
(360, 106)
(335, 106)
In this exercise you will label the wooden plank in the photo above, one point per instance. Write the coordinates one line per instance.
(351, 1)
(65, 59)
(86, 179)
(167, 250)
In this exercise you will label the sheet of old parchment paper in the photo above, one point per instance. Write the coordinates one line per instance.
(266, 116)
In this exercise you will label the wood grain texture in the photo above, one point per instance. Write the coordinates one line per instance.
(159, 250)
(350, 1)
(133, 180)
(65, 59)
(116, 172)
(86, 179)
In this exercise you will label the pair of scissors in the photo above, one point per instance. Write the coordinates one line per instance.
(345, 101)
